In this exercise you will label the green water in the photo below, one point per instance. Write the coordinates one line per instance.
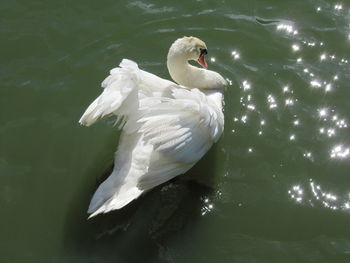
(275, 188)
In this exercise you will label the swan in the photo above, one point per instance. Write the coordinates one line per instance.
(166, 126)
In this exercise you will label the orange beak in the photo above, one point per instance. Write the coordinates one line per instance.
(202, 61)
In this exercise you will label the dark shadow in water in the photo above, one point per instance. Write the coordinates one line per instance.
(141, 231)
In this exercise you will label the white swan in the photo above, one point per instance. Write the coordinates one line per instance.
(166, 127)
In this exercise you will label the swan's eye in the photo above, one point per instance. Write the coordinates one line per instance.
(203, 51)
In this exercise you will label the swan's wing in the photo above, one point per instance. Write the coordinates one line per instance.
(170, 137)
(121, 90)
(181, 130)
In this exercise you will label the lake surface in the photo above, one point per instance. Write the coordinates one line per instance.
(275, 188)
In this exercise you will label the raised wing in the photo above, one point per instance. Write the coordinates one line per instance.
(121, 89)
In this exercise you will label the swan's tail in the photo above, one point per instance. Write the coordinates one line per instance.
(121, 187)
(104, 201)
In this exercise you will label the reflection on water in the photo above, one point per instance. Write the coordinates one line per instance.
(339, 151)
(287, 28)
(303, 110)
(315, 196)
(235, 54)
(207, 206)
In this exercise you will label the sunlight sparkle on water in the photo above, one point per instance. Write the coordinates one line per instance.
(339, 151)
(235, 54)
(338, 7)
(289, 102)
(330, 132)
(295, 47)
(322, 112)
(328, 87)
(287, 28)
(341, 124)
(251, 107)
(315, 84)
(307, 155)
(296, 193)
(246, 85)
(311, 44)
(316, 196)
(212, 59)
(207, 207)
(285, 89)
(271, 101)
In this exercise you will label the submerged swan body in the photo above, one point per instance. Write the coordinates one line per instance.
(166, 127)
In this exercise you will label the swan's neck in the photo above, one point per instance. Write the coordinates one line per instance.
(182, 72)
(192, 77)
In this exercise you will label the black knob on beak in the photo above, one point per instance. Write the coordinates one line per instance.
(204, 51)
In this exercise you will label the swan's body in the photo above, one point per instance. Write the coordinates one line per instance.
(166, 127)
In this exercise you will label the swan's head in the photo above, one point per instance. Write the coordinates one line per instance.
(189, 48)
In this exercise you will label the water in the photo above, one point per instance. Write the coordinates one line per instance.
(275, 188)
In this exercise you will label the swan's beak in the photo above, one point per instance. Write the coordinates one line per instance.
(202, 61)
